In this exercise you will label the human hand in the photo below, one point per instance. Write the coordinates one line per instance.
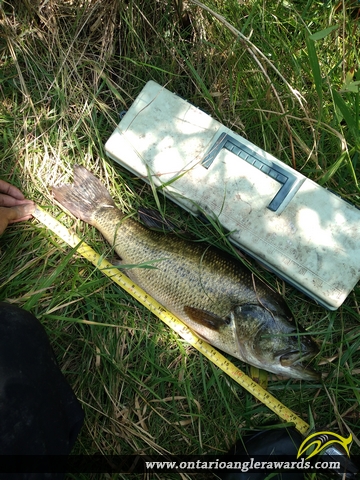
(14, 207)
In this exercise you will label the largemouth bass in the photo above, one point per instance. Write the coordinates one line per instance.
(211, 292)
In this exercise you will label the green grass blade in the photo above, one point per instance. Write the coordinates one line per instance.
(315, 67)
(348, 116)
(323, 33)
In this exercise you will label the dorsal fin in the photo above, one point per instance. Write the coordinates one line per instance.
(155, 221)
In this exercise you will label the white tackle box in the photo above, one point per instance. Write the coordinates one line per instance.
(304, 233)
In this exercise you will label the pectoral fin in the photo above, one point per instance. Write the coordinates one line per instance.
(205, 319)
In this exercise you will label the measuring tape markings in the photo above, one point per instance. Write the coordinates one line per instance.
(171, 320)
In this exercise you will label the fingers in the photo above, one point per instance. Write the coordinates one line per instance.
(15, 214)
(14, 207)
(22, 212)
(6, 215)
(7, 201)
(9, 191)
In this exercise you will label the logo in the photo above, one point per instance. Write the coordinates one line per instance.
(322, 440)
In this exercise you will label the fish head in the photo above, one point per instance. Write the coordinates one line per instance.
(258, 336)
(271, 341)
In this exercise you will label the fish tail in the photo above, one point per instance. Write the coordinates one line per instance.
(83, 197)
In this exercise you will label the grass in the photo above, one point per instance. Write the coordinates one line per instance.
(276, 73)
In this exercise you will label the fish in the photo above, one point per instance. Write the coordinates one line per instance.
(209, 290)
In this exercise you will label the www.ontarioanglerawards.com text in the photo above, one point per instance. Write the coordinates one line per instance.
(243, 466)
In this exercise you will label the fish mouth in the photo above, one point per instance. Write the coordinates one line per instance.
(290, 358)
(303, 372)
(298, 364)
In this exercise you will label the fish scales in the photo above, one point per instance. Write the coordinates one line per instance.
(178, 278)
(210, 291)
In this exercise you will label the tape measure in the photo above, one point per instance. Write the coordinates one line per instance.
(172, 321)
